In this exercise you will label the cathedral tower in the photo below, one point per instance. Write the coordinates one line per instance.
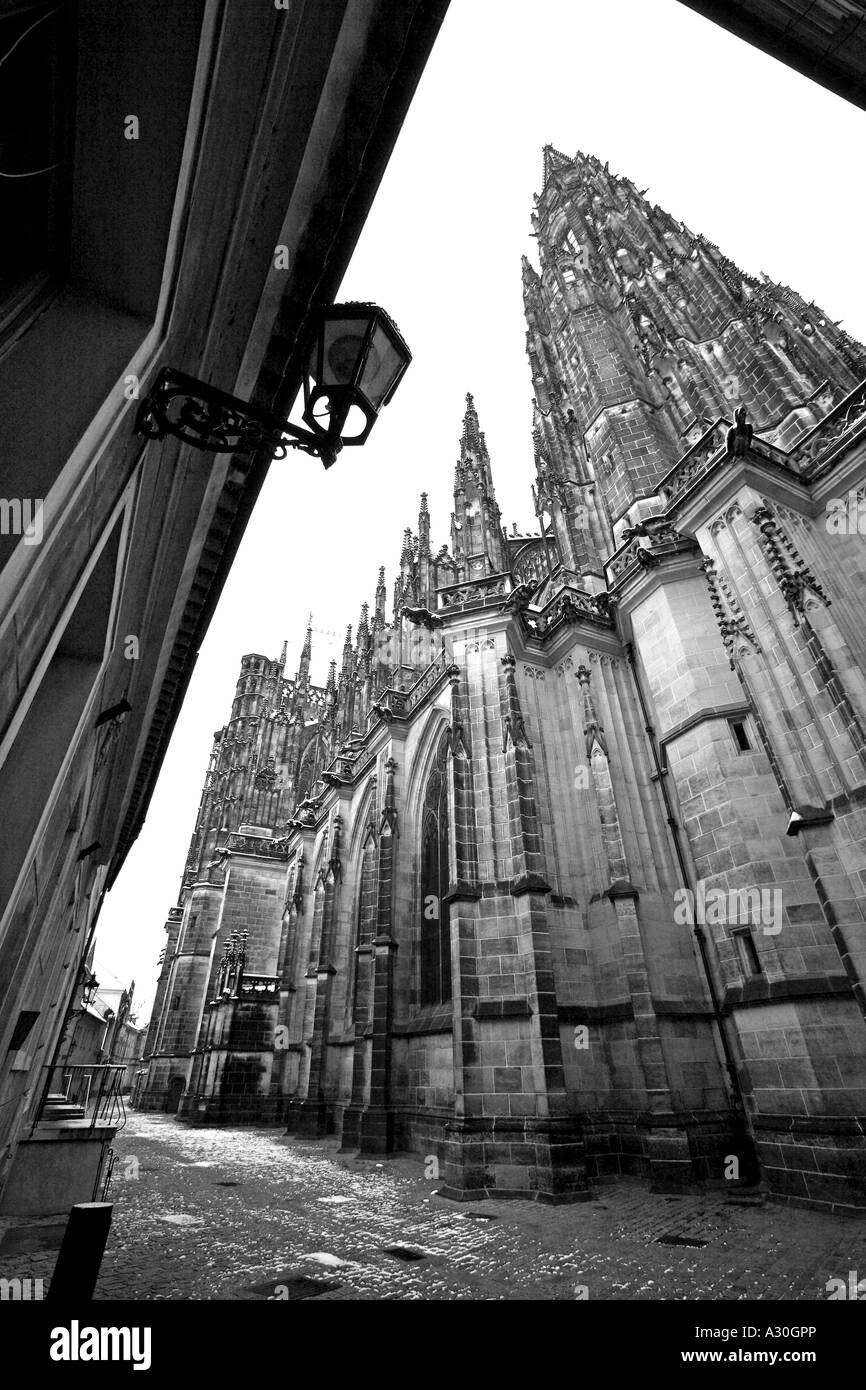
(562, 874)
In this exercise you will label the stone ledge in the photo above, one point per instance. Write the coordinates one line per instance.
(806, 1125)
(755, 992)
(518, 1007)
(623, 1008)
(596, 1013)
(438, 1019)
(528, 883)
(462, 891)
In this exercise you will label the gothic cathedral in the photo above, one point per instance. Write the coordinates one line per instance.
(562, 874)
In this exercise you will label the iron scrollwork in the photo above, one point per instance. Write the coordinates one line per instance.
(206, 418)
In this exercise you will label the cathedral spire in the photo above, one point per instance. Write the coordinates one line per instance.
(661, 334)
(476, 527)
(331, 686)
(554, 161)
(424, 527)
(404, 587)
(406, 553)
(472, 438)
(381, 598)
(530, 276)
(303, 676)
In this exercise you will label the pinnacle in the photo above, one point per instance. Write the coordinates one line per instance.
(472, 437)
(531, 277)
(554, 159)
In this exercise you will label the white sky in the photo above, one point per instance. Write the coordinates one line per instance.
(762, 161)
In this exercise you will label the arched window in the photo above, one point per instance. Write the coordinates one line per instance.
(366, 929)
(307, 770)
(435, 936)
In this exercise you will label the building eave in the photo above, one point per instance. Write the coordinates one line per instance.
(387, 67)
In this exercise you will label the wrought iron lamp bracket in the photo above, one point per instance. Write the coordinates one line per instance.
(206, 418)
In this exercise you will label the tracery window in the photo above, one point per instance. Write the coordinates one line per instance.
(307, 770)
(366, 925)
(435, 935)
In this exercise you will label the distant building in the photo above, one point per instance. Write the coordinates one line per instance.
(103, 1031)
(193, 179)
(479, 895)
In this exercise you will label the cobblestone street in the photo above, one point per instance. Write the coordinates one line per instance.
(253, 1214)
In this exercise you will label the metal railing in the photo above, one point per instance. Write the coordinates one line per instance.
(94, 1087)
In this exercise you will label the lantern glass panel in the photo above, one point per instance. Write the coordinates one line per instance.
(382, 367)
(344, 344)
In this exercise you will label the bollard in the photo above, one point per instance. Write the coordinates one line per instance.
(80, 1255)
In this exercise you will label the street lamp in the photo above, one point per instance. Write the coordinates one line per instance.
(90, 987)
(353, 366)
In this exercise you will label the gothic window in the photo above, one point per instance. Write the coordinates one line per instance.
(307, 770)
(572, 243)
(366, 928)
(435, 936)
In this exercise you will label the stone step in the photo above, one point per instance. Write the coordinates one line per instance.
(60, 1110)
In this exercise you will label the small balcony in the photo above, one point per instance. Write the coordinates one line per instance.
(62, 1160)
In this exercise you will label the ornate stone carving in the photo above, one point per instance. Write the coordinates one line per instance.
(847, 418)
(737, 635)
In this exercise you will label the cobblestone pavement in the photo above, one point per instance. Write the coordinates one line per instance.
(253, 1214)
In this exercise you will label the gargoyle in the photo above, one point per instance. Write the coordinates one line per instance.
(423, 617)
(739, 436)
(518, 597)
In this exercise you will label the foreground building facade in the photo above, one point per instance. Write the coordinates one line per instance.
(562, 873)
(185, 185)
